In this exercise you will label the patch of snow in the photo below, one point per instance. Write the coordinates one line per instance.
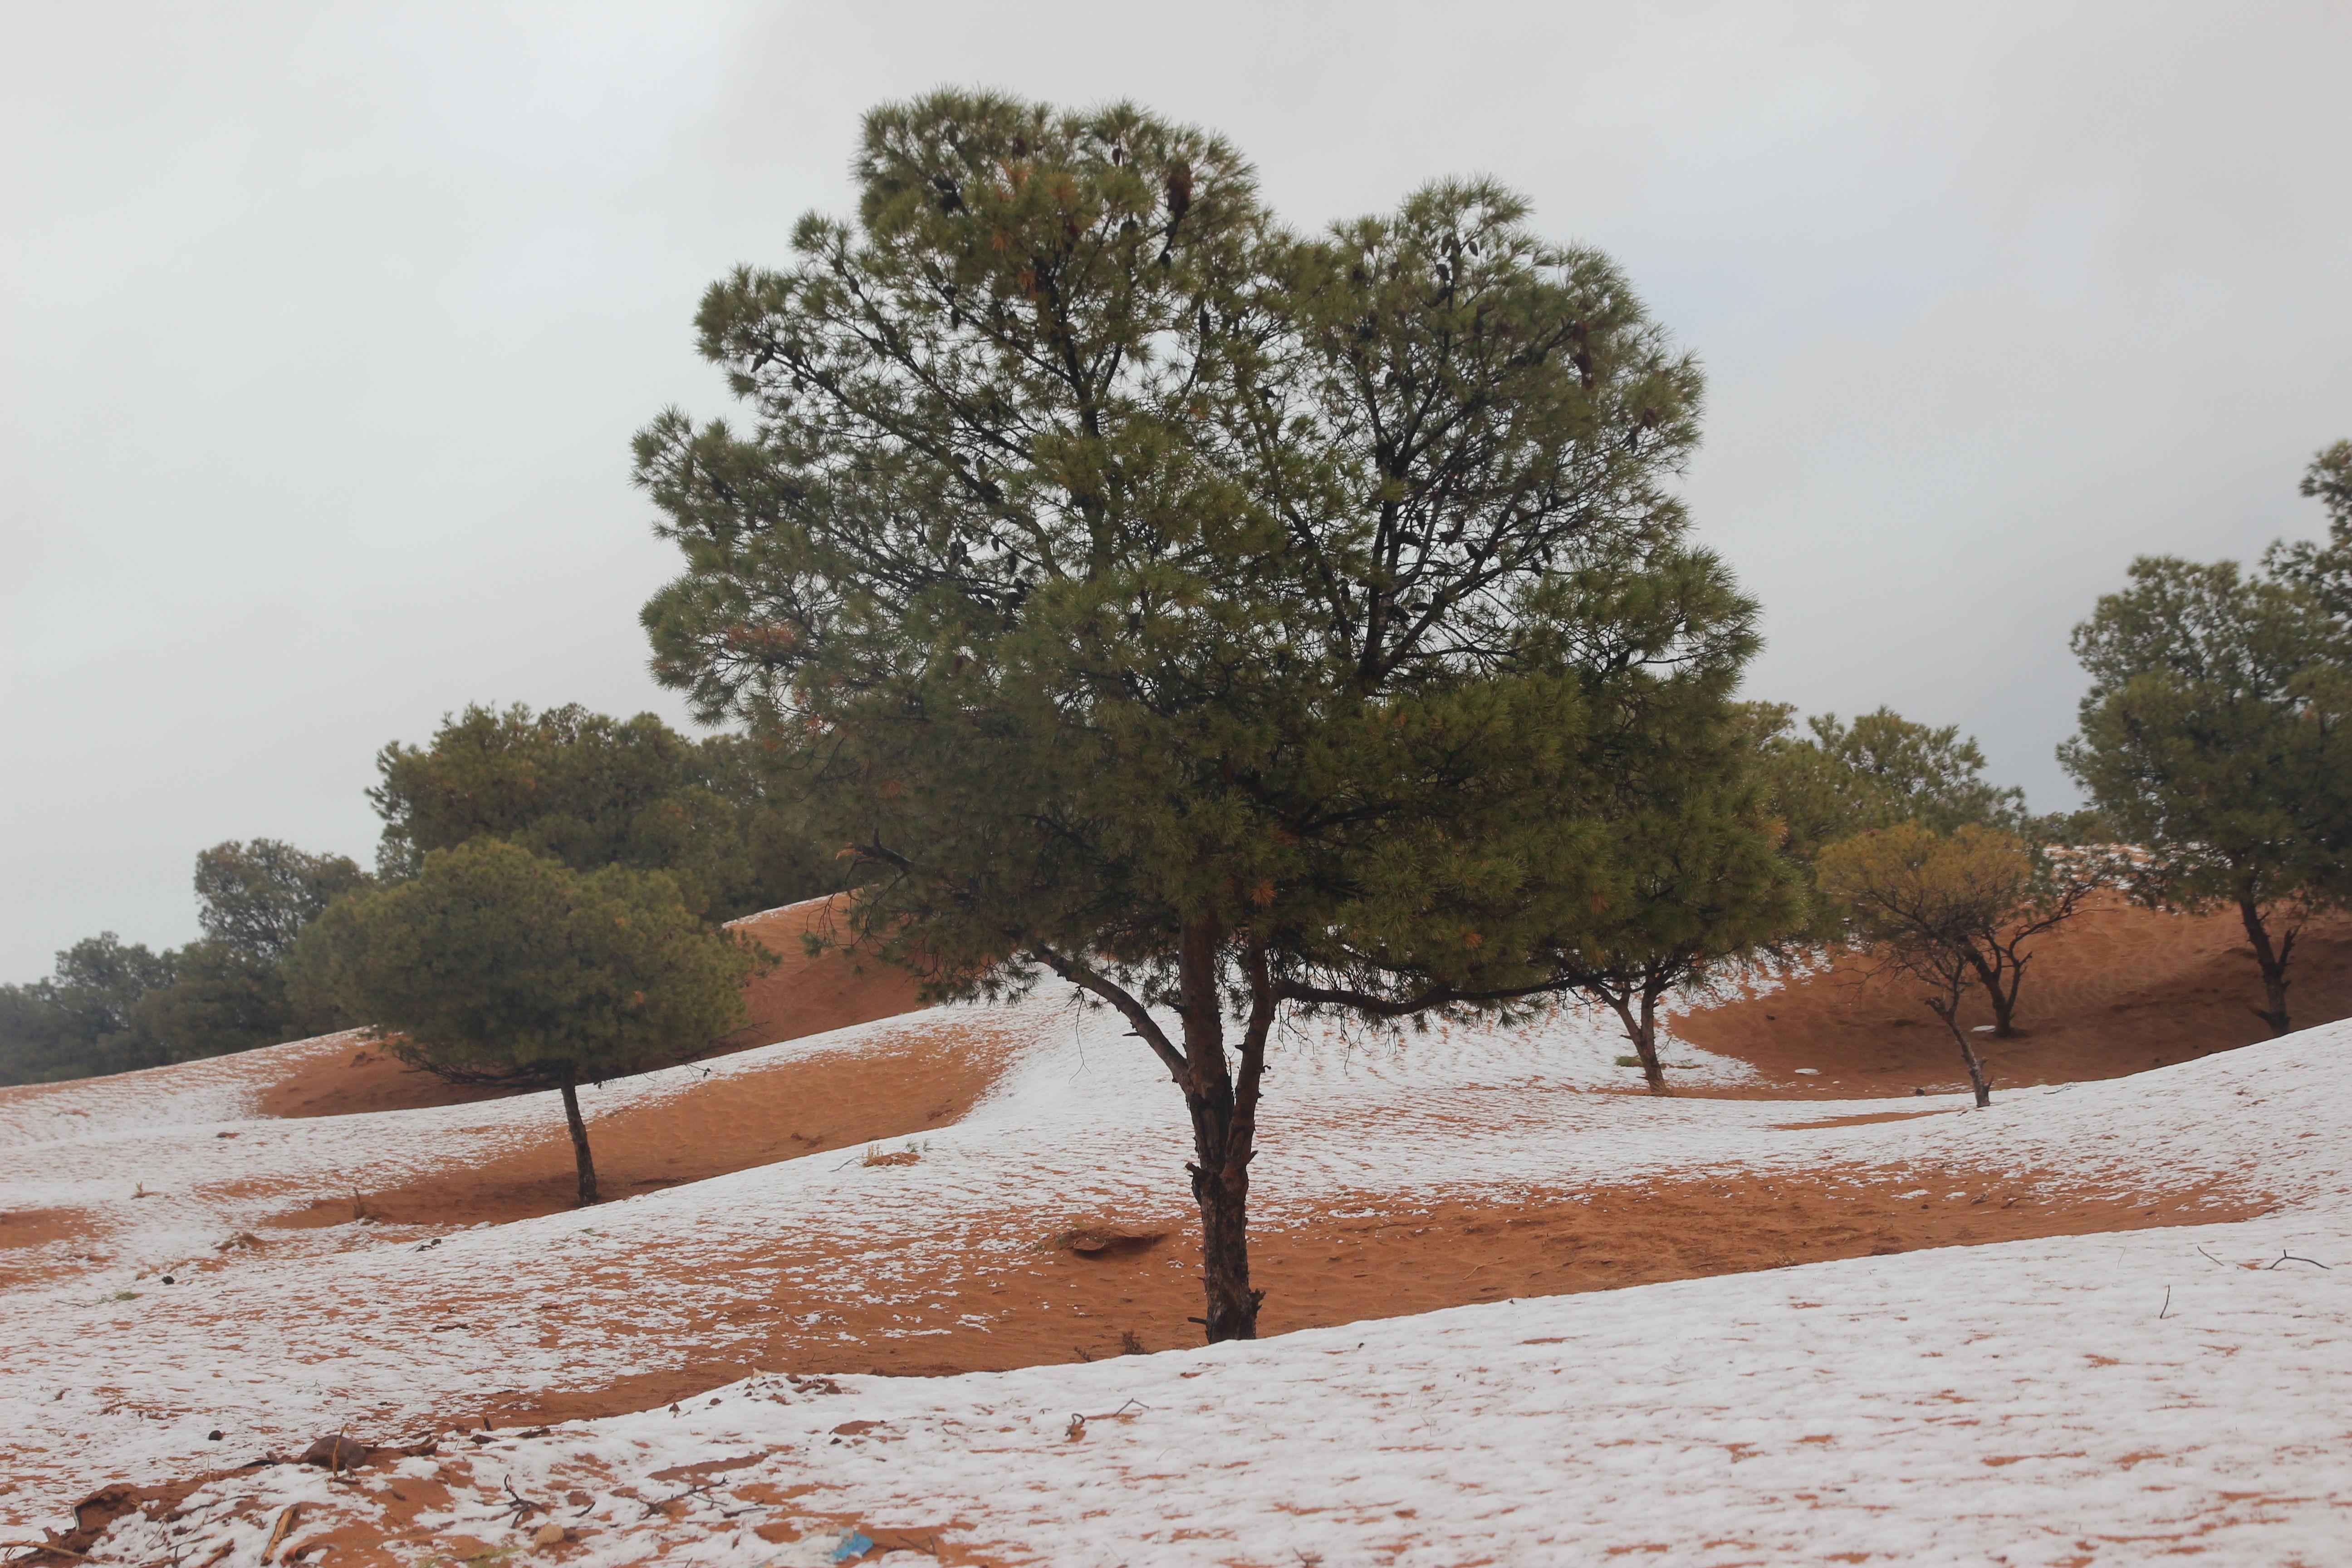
(1777, 1417)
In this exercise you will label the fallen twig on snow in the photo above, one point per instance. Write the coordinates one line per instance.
(1122, 1411)
(285, 1523)
(2285, 1257)
(654, 1508)
(522, 1506)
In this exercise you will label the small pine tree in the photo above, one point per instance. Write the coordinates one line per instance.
(1696, 884)
(492, 964)
(2216, 740)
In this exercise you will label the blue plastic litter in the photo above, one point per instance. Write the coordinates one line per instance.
(851, 1545)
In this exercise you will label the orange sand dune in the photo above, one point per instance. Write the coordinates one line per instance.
(2118, 990)
(921, 1078)
(1062, 1304)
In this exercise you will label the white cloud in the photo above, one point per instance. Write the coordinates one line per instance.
(325, 330)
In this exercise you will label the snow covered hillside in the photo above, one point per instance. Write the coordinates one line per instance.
(2041, 1401)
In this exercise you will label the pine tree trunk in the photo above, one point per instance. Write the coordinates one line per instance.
(579, 1143)
(1221, 1186)
(1951, 1016)
(1223, 1133)
(1641, 1028)
(2273, 962)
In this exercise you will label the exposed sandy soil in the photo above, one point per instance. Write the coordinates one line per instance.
(803, 995)
(1142, 1277)
(798, 996)
(926, 1078)
(2118, 990)
(38, 1227)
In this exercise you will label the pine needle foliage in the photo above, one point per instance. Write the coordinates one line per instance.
(2216, 738)
(591, 790)
(495, 965)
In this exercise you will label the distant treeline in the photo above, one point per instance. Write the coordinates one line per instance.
(571, 786)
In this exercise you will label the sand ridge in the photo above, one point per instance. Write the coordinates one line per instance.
(2120, 989)
(425, 1257)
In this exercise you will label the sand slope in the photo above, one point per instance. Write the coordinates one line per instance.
(900, 1194)
(835, 1264)
(2113, 1398)
(799, 994)
(2118, 990)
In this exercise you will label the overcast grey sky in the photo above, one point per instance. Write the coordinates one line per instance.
(325, 328)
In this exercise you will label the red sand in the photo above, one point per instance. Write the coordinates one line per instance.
(925, 1077)
(1064, 1305)
(2119, 990)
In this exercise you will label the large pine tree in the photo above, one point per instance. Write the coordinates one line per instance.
(1230, 622)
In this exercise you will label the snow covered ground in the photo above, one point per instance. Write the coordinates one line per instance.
(2084, 1399)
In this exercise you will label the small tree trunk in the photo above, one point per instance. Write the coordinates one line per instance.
(2004, 1008)
(1646, 1043)
(1992, 973)
(1224, 1125)
(1641, 1028)
(1950, 1014)
(579, 1141)
(2273, 962)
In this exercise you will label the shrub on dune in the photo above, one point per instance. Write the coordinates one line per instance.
(494, 965)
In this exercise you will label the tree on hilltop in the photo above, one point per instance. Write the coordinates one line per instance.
(2216, 738)
(591, 790)
(111, 1006)
(255, 897)
(491, 964)
(1841, 779)
(78, 1021)
(1236, 625)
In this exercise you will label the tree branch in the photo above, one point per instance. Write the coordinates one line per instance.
(1086, 978)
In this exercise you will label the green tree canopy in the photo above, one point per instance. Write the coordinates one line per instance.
(1696, 884)
(77, 1023)
(593, 791)
(2214, 739)
(256, 898)
(1213, 615)
(2323, 570)
(1842, 779)
(114, 1007)
(494, 965)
